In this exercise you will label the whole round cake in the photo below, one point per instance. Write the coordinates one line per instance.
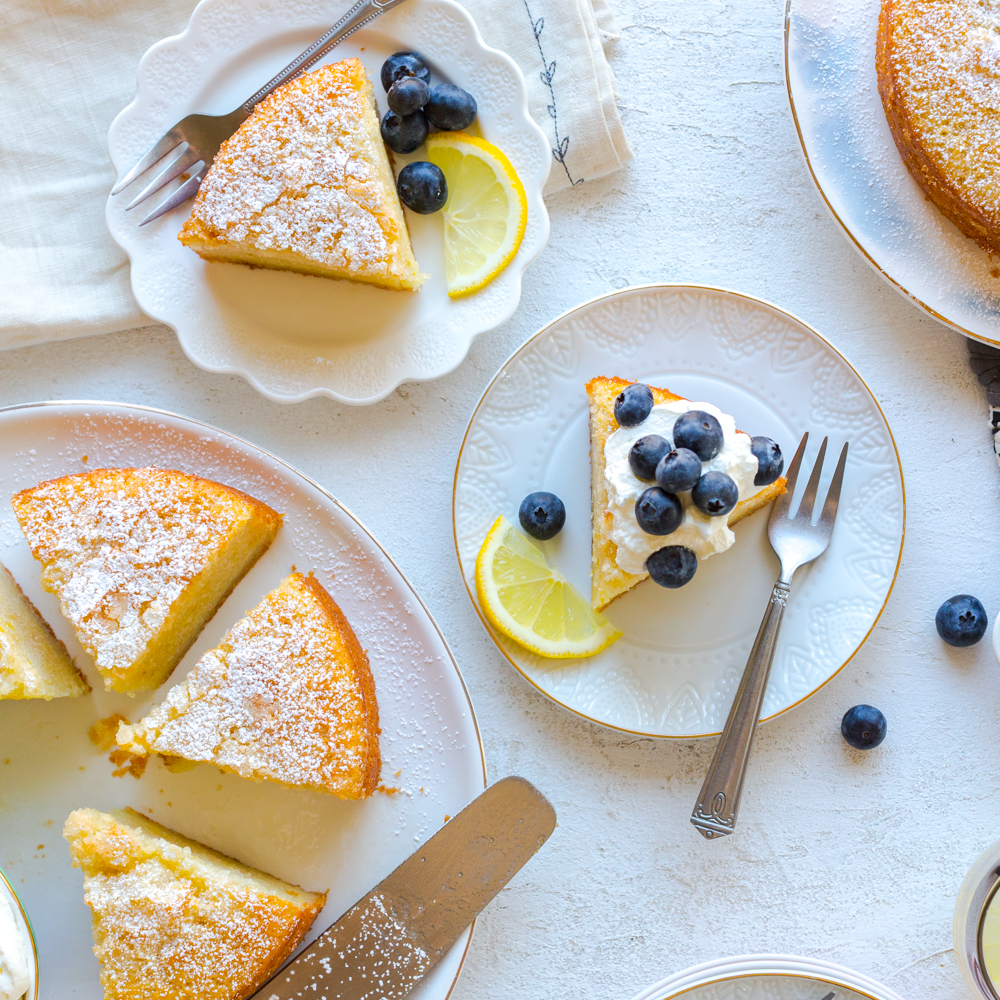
(938, 65)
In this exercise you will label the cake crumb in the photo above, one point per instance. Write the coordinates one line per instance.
(102, 733)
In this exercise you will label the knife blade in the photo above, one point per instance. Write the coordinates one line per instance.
(390, 939)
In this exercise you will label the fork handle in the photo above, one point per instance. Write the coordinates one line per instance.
(715, 812)
(359, 15)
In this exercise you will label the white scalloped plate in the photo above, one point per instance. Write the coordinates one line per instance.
(294, 336)
(850, 152)
(431, 749)
(674, 672)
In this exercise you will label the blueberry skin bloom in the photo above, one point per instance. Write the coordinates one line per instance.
(672, 566)
(402, 64)
(645, 455)
(450, 108)
(678, 470)
(770, 463)
(658, 512)
(542, 515)
(403, 133)
(407, 94)
(715, 494)
(863, 727)
(422, 187)
(633, 405)
(700, 432)
(961, 620)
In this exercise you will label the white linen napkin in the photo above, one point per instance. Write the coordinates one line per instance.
(67, 67)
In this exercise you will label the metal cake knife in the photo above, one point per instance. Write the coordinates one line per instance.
(388, 941)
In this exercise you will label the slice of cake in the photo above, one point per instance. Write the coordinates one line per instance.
(140, 559)
(33, 662)
(305, 185)
(287, 696)
(175, 920)
(615, 571)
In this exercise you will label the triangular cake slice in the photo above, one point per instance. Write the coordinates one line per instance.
(287, 696)
(33, 662)
(305, 185)
(175, 920)
(140, 559)
(607, 579)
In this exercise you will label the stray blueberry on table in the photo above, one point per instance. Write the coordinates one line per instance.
(403, 133)
(422, 187)
(700, 432)
(402, 64)
(672, 566)
(407, 94)
(450, 108)
(770, 463)
(644, 456)
(542, 515)
(961, 620)
(863, 727)
(678, 470)
(658, 512)
(633, 404)
(715, 494)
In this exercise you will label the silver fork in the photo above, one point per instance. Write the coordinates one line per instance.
(797, 541)
(202, 135)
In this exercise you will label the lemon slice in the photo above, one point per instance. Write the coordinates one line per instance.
(529, 601)
(486, 210)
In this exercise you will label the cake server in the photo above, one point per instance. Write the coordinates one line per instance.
(388, 941)
(202, 135)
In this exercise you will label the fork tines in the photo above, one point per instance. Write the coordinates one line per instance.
(808, 503)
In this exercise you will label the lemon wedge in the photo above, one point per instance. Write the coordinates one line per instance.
(531, 602)
(486, 210)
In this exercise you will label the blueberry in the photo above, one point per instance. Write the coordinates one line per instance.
(700, 432)
(672, 566)
(769, 461)
(407, 94)
(542, 515)
(678, 470)
(863, 727)
(644, 456)
(450, 108)
(403, 133)
(422, 187)
(715, 494)
(961, 620)
(404, 64)
(658, 512)
(633, 404)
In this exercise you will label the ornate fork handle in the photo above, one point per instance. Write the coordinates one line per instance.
(715, 812)
(359, 15)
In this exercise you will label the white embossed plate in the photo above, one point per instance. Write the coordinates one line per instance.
(833, 92)
(290, 335)
(675, 670)
(430, 743)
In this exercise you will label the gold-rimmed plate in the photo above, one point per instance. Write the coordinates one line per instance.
(674, 671)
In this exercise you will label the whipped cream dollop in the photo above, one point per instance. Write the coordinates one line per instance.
(702, 534)
(15, 952)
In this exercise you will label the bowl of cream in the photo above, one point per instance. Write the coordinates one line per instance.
(18, 954)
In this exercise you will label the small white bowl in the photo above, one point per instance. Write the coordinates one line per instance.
(21, 916)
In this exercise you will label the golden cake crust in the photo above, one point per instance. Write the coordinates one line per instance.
(305, 185)
(938, 68)
(607, 579)
(288, 695)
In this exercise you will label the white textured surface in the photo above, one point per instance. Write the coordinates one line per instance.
(857, 859)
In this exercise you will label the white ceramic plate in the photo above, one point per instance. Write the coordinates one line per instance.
(675, 670)
(767, 977)
(430, 744)
(290, 335)
(833, 91)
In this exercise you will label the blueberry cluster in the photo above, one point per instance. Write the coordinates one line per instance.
(414, 108)
(677, 467)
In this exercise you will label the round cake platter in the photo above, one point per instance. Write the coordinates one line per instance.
(849, 150)
(433, 763)
(676, 668)
(294, 336)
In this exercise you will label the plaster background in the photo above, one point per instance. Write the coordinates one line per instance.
(856, 859)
